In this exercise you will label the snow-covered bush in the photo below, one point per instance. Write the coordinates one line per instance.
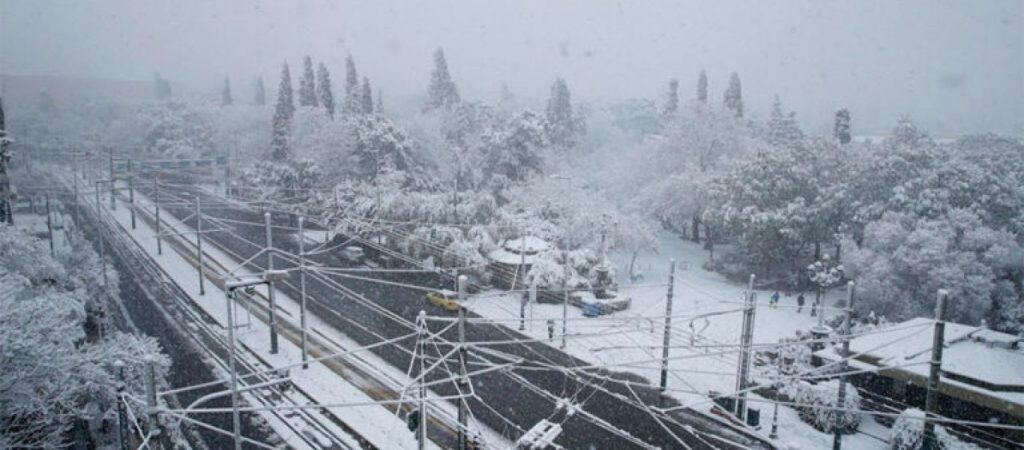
(818, 404)
(908, 433)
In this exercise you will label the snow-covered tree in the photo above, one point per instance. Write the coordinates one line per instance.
(841, 128)
(53, 370)
(225, 93)
(324, 89)
(671, 98)
(904, 260)
(352, 92)
(380, 146)
(379, 106)
(259, 96)
(290, 184)
(161, 87)
(441, 92)
(562, 125)
(513, 150)
(733, 96)
(702, 87)
(175, 129)
(283, 112)
(307, 84)
(782, 128)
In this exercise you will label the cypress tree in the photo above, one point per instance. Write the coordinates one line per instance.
(283, 111)
(379, 109)
(259, 92)
(559, 114)
(702, 87)
(323, 86)
(733, 96)
(841, 129)
(307, 85)
(225, 94)
(351, 105)
(366, 97)
(161, 87)
(441, 92)
(672, 98)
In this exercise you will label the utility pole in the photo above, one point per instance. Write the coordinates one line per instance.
(156, 201)
(113, 181)
(270, 286)
(837, 442)
(122, 416)
(74, 180)
(745, 341)
(99, 237)
(533, 301)
(49, 226)
(131, 193)
(668, 329)
(421, 341)
(302, 291)
(199, 245)
(463, 376)
(565, 298)
(154, 424)
(236, 421)
(932, 395)
(6, 203)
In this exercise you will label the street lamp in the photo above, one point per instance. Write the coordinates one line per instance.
(565, 258)
(824, 275)
(247, 284)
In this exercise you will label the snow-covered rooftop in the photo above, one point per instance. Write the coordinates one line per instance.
(528, 244)
(512, 250)
(976, 358)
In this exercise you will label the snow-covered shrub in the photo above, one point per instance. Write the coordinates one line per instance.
(908, 433)
(546, 271)
(818, 404)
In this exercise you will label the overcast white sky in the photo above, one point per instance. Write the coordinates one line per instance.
(955, 66)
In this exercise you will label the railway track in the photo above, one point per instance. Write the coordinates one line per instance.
(172, 302)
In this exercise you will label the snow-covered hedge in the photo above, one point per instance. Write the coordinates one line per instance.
(818, 405)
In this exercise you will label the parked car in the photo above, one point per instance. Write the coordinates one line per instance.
(444, 298)
(353, 254)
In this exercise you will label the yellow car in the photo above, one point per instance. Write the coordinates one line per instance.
(444, 298)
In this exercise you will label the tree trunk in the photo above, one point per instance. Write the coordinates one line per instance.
(709, 243)
(695, 229)
(817, 250)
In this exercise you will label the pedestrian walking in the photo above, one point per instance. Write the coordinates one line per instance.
(799, 303)
(774, 302)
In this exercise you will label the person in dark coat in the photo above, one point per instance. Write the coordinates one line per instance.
(799, 303)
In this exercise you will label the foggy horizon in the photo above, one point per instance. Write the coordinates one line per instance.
(954, 67)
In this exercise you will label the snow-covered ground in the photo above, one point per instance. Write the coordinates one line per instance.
(631, 340)
(377, 424)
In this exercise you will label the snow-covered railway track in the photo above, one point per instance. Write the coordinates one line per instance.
(176, 305)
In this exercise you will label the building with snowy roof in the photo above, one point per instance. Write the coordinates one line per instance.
(982, 376)
(513, 258)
